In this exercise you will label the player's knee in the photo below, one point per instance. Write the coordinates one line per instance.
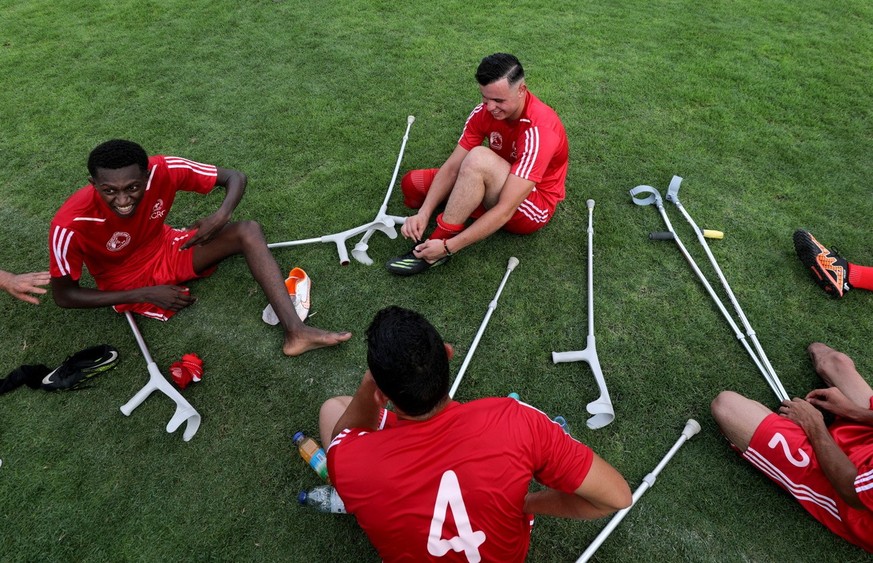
(724, 406)
(250, 232)
(826, 358)
(415, 185)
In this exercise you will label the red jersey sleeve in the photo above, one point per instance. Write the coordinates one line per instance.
(65, 254)
(190, 176)
(538, 146)
(561, 462)
(474, 131)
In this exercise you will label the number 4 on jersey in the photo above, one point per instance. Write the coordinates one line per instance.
(467, 540)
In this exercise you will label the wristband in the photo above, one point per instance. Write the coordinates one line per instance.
(446, 248)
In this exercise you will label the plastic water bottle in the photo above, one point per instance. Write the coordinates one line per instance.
(323, 498)
(563, 422)
(312, 453)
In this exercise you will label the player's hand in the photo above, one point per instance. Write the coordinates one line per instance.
(414, 226)
(430, 250)
(21, 286)
(833, 401)
(206, 229)
(803, 413)
(169, 297)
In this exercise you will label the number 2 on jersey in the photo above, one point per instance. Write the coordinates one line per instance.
(467, 540)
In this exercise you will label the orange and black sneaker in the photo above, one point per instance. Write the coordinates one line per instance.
(829, 270)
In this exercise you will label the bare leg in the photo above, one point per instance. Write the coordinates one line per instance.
(331, 411)
(738, 417)
(480, 179)
(247, 238)
(838, 370)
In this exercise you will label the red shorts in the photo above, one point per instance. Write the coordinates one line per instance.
(168, 266)
(532, 215)
(780, 450)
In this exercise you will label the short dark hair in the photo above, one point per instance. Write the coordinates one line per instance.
(408, 360)
(116, 154)
(497, 66)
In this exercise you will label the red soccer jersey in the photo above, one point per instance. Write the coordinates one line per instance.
(86, 231)
(452, 488)
(535, 145)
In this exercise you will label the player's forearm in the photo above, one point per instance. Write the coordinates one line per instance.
(88, 298)
(550, 502)
(483, 227)
(837, 467)
(363, 410)
(234, 183)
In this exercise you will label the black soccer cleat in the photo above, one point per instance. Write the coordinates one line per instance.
(409, 265)
(828, 269)
(81, 366)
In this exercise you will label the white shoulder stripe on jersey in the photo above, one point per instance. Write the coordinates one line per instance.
(531, 151)
(197, 167)
(60, 243)
(797, 490)
(476, 110)
(151, 175)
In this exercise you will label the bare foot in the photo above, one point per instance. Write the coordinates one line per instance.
(309, 338)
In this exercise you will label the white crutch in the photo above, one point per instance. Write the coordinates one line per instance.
(655, 198)
(770, 375)
(691, 428)
(157, 382)
(601, 408)
(382, 222)
(513, 262)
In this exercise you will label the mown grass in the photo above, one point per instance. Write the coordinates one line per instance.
(764, 109)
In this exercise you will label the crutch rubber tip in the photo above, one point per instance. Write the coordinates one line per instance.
(713, 234)
(590, 204)
(513, 262)
(692, 427)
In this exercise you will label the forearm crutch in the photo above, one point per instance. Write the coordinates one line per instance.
(772, 378)
(382, 222)
(157, 382)
(513, 262)
(601, 408)
(654, 197)
(692, 427)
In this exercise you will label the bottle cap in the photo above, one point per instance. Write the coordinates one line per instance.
(301, 497)
(297, 437)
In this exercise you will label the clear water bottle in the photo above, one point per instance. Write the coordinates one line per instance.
(323, 498)
(312, 453)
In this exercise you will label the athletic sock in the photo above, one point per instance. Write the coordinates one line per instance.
(445, 230)
(861, 277)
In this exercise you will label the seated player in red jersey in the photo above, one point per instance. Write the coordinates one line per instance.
(514, 183)
(435, 476)
(115, 226)
(828, 469)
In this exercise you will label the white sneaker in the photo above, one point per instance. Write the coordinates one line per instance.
(299, 286)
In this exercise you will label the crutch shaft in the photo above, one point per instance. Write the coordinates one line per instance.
(691, 428)
(513, 262)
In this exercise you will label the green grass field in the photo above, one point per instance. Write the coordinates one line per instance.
(763, 108)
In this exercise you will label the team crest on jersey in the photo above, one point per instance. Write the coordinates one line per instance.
(158, 210)
(495, 141)
(119, 240)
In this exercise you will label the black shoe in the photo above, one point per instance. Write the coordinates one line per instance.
(409, 265)
(81, 366)
(829, 270)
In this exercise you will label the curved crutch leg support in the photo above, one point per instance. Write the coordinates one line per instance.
(382, 222)
(157, 382)
(601, 408)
